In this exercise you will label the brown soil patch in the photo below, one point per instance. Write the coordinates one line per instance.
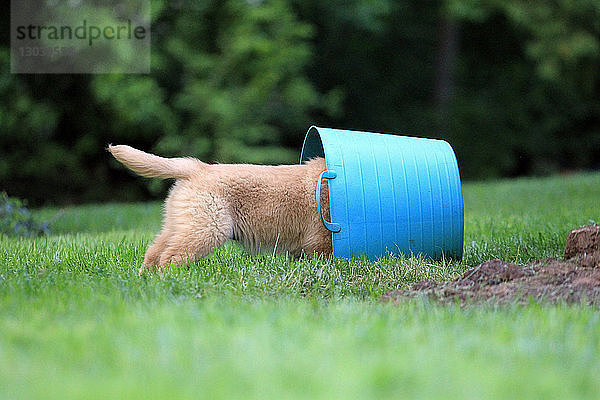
(576, 279)
(584, 244)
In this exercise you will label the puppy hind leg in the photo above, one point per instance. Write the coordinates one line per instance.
(155, 250)
(199, 222)
(187, 246)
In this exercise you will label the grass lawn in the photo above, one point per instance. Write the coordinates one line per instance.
(77, 322)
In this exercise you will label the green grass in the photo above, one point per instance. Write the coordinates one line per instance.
(77, 322)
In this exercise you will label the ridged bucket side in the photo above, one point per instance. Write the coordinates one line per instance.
(392, 194)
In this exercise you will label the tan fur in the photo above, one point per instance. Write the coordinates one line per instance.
(268, 208)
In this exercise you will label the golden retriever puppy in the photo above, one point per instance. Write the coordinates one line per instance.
(268, 208)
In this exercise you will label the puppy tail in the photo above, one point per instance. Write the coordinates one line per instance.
(152, 166)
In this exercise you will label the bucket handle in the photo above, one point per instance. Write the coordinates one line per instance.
(332, 226)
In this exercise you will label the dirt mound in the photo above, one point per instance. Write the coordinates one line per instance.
(584, 244)
(575, 279)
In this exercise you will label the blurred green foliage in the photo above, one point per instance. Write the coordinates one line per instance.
(527, 86)
(513, 86)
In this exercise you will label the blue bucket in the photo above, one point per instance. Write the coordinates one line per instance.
(389, 194)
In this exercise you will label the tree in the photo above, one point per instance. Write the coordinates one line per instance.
(528, 78)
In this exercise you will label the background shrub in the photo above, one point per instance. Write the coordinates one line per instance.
(513, 86)
(16, 219)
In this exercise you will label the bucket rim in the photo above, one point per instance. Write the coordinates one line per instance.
(306, 154)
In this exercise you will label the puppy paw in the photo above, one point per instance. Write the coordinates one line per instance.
(146, 268)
